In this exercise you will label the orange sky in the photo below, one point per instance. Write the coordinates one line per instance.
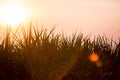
(87, 16)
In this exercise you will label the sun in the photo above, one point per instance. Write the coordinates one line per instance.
(13, 13)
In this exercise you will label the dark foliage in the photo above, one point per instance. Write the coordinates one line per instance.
(37, 54)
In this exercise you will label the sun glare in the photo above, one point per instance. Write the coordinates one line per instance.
(13, 13)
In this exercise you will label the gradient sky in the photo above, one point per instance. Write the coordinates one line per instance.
(86, 16)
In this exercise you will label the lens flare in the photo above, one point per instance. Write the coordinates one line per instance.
(94, 57)
(99, 63)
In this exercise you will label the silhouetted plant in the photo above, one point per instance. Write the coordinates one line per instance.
(38, 54)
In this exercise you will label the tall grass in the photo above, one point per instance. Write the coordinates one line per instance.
(40, 54)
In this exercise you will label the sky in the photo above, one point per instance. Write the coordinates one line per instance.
(87, 16)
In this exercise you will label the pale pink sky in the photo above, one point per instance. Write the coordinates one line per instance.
(87, 16)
